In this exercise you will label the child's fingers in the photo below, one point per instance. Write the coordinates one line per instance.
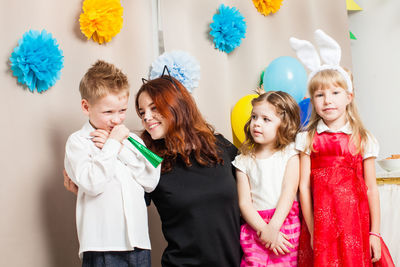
(375, 248)
(268, 244)
(99, 139)
(280, 250)
(376, 255)
(375, 258)
(275, 251)
(99, 144)
(285, 236)
(285, 249)
(287, 243)
(100, 136)
(100, 133)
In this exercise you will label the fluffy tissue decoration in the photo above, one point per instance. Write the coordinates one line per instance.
(101, 19)
(228, 28)
(181, 65)
(37, 60)
(266, 7)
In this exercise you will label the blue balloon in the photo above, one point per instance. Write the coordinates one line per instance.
(286, 74)
(305, 111)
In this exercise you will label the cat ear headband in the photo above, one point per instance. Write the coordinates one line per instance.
(330, 53)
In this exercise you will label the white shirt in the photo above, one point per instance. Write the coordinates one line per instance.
(371, 148)
(111, 213)
(265, 176)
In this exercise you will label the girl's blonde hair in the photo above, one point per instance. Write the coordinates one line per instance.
(286, 109)
(323, 80)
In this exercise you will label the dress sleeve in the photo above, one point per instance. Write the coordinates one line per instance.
(301, 142)
(371, 147)
(240, 163)
(291, 150)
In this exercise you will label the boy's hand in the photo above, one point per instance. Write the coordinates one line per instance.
(99, 137)
(68, 184)
(375, 248)
(119, 133)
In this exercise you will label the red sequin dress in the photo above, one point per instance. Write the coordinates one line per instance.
(341, 211)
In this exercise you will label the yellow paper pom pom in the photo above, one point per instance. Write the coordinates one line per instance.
(101, 19)
(266, 7)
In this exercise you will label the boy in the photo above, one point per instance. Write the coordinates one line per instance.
(111, 175)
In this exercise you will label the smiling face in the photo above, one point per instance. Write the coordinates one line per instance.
(330, 104)
(106, 112)
(264, 124)
(153, 122)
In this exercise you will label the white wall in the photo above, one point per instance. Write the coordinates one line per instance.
(376, 56)
(376, 69)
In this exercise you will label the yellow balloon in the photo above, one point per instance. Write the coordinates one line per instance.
(239, 116)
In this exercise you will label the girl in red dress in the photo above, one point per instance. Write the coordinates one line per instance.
(338, 192)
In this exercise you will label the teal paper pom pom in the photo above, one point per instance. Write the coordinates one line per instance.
(228, 28)
(37, 60)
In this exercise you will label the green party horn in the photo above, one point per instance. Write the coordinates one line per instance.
(153, 158)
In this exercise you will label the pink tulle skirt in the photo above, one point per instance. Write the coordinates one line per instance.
(255, 254)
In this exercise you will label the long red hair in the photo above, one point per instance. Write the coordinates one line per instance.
(187, 133)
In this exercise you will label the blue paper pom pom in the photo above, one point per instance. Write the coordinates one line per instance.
(181, 66)
(228, 28)
(37, 60)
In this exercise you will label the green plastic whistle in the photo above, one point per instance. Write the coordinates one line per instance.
(153, 158)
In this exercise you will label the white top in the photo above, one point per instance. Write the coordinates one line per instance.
(111, 213)
(371, 147)
(265, 176)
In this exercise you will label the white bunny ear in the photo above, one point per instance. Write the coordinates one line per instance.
(306, 53)
(329, 49)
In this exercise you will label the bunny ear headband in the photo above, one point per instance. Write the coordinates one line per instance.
(330, 53)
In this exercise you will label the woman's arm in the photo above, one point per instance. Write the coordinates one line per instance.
(290, 185)
(305, 193)
(374, 207)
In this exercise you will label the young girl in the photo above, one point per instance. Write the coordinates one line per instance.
(267, 180)
(338, 192)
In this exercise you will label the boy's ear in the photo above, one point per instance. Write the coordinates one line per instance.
(85, 106)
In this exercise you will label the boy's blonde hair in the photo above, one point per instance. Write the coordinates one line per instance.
(323, 80)
(286, 109)
(101, 79)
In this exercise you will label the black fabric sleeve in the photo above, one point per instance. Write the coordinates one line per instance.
(230, 149)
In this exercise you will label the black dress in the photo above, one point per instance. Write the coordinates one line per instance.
(199, 211)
